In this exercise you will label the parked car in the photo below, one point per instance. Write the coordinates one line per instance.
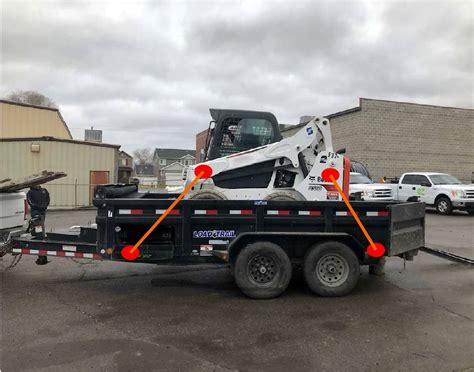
(441, 190)
(367, 189)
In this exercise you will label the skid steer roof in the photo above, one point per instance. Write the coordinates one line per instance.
(219, 114)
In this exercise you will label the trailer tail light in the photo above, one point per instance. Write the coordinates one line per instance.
(346, 176)
(26, 209)
(136, 211)
(377, 214)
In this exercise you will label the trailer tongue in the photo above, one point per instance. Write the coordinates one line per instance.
(261, 240)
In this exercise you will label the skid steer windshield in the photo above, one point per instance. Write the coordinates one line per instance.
(244, 134)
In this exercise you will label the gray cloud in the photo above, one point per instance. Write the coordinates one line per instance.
(147, 72)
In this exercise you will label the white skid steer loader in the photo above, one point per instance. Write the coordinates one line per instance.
(289, 169)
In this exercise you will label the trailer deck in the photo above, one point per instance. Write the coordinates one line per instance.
(212, 231)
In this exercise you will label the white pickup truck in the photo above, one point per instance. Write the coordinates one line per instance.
(440, 190)
(368, 190)
(14, 206)
(13, 215)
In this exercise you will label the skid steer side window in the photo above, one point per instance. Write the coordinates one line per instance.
(244, 134)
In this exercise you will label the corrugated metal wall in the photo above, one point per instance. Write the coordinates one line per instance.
(22, 121)
(77, 160)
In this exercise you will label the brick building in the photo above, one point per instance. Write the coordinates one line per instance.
(200, 145)
(396, 137)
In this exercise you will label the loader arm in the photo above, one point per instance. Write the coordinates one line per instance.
(288, 148)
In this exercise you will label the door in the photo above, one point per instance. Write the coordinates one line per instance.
(412, 185)
(97, 178)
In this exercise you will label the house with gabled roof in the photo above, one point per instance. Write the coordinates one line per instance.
(169, 164)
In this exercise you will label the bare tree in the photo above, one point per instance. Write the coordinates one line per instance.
(143, 156)
(31, 97)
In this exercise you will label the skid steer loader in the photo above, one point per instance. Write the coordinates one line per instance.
(249, 160)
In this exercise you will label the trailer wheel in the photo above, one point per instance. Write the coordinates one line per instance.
(262, 270)
(331, 269)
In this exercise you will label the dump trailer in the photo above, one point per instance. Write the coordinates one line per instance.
(263, 241)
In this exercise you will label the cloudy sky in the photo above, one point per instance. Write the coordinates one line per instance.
(147, 72)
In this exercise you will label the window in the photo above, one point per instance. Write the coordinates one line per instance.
(186, 162)
(444, 179)
(360, 178)
(415, 179)
(244, 134)
(124, 162)
(162, 161)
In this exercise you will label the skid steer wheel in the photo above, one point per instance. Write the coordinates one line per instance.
(291, 195)
(443, 205)
(331, 269)
(262, 270)
(206, 194)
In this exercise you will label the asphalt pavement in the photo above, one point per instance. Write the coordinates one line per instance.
(89, 315)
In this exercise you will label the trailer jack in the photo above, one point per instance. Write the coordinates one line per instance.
(42, 260)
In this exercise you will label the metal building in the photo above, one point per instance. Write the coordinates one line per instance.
(33, 139)
(23, 120)
(85, 163)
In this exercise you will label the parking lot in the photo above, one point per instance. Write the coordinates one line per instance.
(78, 315)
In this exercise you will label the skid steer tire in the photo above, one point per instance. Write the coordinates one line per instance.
(262, 270)
(331, 269)
(290, 195)
(206, 195)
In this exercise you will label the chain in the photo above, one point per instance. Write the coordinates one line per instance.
(15, 261)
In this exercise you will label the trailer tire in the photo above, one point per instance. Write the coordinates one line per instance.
(331, 269)
(443, 205)
(262, 270)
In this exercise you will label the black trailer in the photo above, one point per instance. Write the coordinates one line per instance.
(261, 240)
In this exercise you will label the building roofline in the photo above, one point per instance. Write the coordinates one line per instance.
(126, 153)
(173, 163)
(344, 112)
(27, 105)
(330, 116)
(202, 132)
(54, 109)
(412, 103)
(358, 108)
(54, 139)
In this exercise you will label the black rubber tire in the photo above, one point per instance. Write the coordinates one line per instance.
(206, 195)
(285, 195)
(344, 259)
(470, 212)
(443, 206)
(280, 272)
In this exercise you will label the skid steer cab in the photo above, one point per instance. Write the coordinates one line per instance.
(274, 169)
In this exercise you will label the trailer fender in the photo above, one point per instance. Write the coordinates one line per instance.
(307, 240)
